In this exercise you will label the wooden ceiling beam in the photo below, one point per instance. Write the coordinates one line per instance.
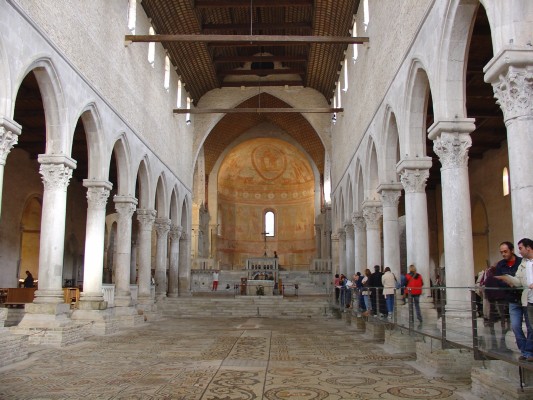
(261, 72)
(259, 83)
(242, 59)
(256, 3)
(256, 26)
(228, 40)
(259, 110)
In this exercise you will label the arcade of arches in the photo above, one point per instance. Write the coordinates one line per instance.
(104, 188)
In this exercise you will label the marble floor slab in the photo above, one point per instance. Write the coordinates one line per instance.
(225, 359)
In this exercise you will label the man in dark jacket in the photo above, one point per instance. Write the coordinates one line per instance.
(375, 282)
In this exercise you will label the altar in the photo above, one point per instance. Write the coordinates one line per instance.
(260, 287)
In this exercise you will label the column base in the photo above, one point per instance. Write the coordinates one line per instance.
(399, 341)
(375, 330)
(97, 321)
(123, 301)
(129, 317)
(452, 363)
(92, 305)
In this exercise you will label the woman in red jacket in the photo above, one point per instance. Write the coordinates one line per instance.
(414, 287)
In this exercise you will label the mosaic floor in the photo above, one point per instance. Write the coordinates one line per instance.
(226, 359)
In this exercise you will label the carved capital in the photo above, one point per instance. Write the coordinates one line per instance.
(348, 229)
(125, 206)
(9, 136)
(372, 215)
(146, 219)
(56, 176)
(414, 180)
(185, 236)
(452, 149)
(341, 234)
(514, 92)
(390, 198)
(358, 221)
(162, 226)
(97, 197)
(175, 232)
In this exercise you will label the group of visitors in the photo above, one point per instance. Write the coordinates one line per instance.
(373, 286)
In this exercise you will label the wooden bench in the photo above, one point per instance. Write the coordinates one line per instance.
(17, 297)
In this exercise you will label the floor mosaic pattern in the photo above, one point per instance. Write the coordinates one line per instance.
(224, 359)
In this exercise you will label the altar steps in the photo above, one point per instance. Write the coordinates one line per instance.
(245, 306)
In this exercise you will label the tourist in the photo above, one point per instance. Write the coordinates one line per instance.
(337, 285)
(414, 288)
(378, 306)
(215, 281)
(366, 293)
(389, 285)
(510, 303)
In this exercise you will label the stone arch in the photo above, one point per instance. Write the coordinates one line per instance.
(372, 168)
(122, 157)
(341, 216)
(98, 169)
(57, 135)
(161, 197)
(143, 185)
(174, 207)
(349, 198)
(417, 97)
(5, 83)
(455, 41)
(391, 152)
(186, 214)
(360, 186)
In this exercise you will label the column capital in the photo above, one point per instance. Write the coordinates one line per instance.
(341, 234)
(146, 219)
(358, 221)
(390, 194)
(334, 237)
(511, 74)
(452, 149)
(185, 236)
(125, 206)
(414, 180)
(175, 232)
(97, 193)
(9, 136)
(348, 229)
(372, 212)
(162, 226)
(56, 170)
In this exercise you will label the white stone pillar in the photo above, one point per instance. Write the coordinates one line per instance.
(125, 207)
(349, 234)
(318, 240)
(511, 72)
(335, 255)
(342, 251)
(146, 220)
(390, 196)
(162, 226)
(451, 141)
(359, 225)
(56, 171)
(184, 268)
(97, 194)
(414, 174)
(175, 235)
(372, 213)
(133, 262)
(9, 136)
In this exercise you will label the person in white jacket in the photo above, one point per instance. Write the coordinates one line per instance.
(389, 285)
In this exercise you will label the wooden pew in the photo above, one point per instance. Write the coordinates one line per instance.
(17, 297)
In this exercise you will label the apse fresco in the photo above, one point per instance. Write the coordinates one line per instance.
(260, 175)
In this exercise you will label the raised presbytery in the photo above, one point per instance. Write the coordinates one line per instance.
(145, 144)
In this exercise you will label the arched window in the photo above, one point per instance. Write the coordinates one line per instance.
(188, 115)
(151, 48)
(178, 100)
(505, 178)
(366, 14)
(345, 88)
(339, 101)
(132, 16)
(355, 45)
(270, 223)
(166, 82)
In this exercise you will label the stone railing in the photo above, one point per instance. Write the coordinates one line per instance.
(203, 263)
(108, 291)
(321, 265)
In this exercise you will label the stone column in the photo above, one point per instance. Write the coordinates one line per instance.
(359, 225)
(162, 226)
(146, 220)
(511, 72)
(335, 259)
(372, 213)
(133, 263)
(125, 207)
(175, 235)
(318, 240)
(342, 250)
(413, 175)
(350, 266)
(184, 268)
(97, 194)
(390, 196)
(9, 136)
(56, 171)
(451, 141)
